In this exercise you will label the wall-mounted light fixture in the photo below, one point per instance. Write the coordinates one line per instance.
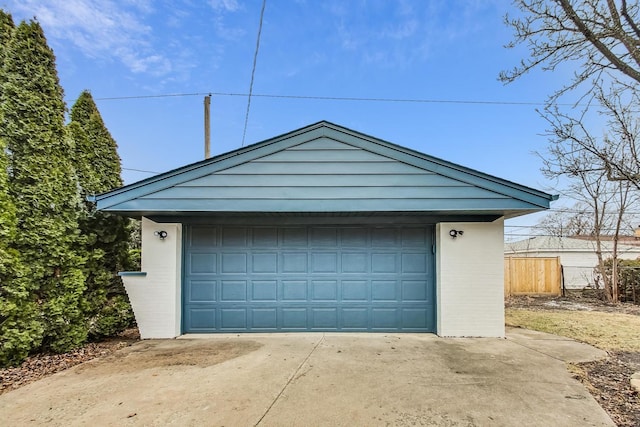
(161, 234)
(455, 233)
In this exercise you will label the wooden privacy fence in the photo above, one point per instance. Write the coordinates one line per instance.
(532, 276)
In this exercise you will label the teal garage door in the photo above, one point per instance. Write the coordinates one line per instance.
(308, 278)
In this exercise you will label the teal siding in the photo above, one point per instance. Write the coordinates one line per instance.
(307, 205)
(324, 168)
(318, 176)
(334, 180)
(302, 192)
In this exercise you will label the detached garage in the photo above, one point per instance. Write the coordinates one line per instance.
(321, 229)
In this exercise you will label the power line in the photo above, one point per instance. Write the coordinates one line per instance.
(329, 98)
(521, 228)
(164, 95)
(520, 234)
(253, 72)
(585, 212)
(139, 170)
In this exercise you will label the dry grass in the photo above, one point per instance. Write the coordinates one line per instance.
(608, 331)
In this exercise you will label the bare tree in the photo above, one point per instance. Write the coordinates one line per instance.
(601, 36)
(574, 221)
(604, 202)
(618, 149)
(601, 40)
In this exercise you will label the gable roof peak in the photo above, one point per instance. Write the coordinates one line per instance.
(280, 155)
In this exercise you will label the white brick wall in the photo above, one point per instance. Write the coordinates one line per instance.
(470, 280)
(156, 298)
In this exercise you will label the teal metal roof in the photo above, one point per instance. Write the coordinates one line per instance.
(323, 168)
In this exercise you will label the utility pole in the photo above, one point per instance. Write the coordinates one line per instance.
(207, 127)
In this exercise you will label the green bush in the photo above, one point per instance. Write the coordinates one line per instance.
(113, 318)
(58, 255)
(107, 236)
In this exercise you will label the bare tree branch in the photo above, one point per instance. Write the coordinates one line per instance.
(625, 13)
(589, 33)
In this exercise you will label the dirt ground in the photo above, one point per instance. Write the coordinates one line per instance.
(574, 301)
(607, 380)
(39, 366)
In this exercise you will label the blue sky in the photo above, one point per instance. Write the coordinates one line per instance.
(440, 50)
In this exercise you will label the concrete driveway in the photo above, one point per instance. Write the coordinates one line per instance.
(319, 379)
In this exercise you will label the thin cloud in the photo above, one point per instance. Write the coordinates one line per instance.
(227, 33)
(105, 30)
(225, 5)
(405, 32)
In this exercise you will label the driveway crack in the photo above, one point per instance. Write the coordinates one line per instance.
(539, 351)
(291, 378)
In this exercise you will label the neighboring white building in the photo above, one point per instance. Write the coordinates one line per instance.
(577, 255)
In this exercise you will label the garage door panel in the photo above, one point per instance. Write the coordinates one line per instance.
(294, 237)
(294, 290)
(203, 237)
(233, 263)
(234, 236)
(353, 237)
(385, 291)
(324, 236)
(265, 237)
(264, 290)
(264, 319)
(384, 237)
(414, 263)
(233, 319)
(355, 291)
(324, 262)
(233, 290)
(354, 319)
(415, 318)
(384, 318)
(264, 278)
(354, 262)
(202, 263)
(294, 318)
(324, 318)
(324, 290)
(201, 319)
(414, 237)
(384, 263)
(266, 262)
(294, 262)
(414, 290)
(202, 291)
